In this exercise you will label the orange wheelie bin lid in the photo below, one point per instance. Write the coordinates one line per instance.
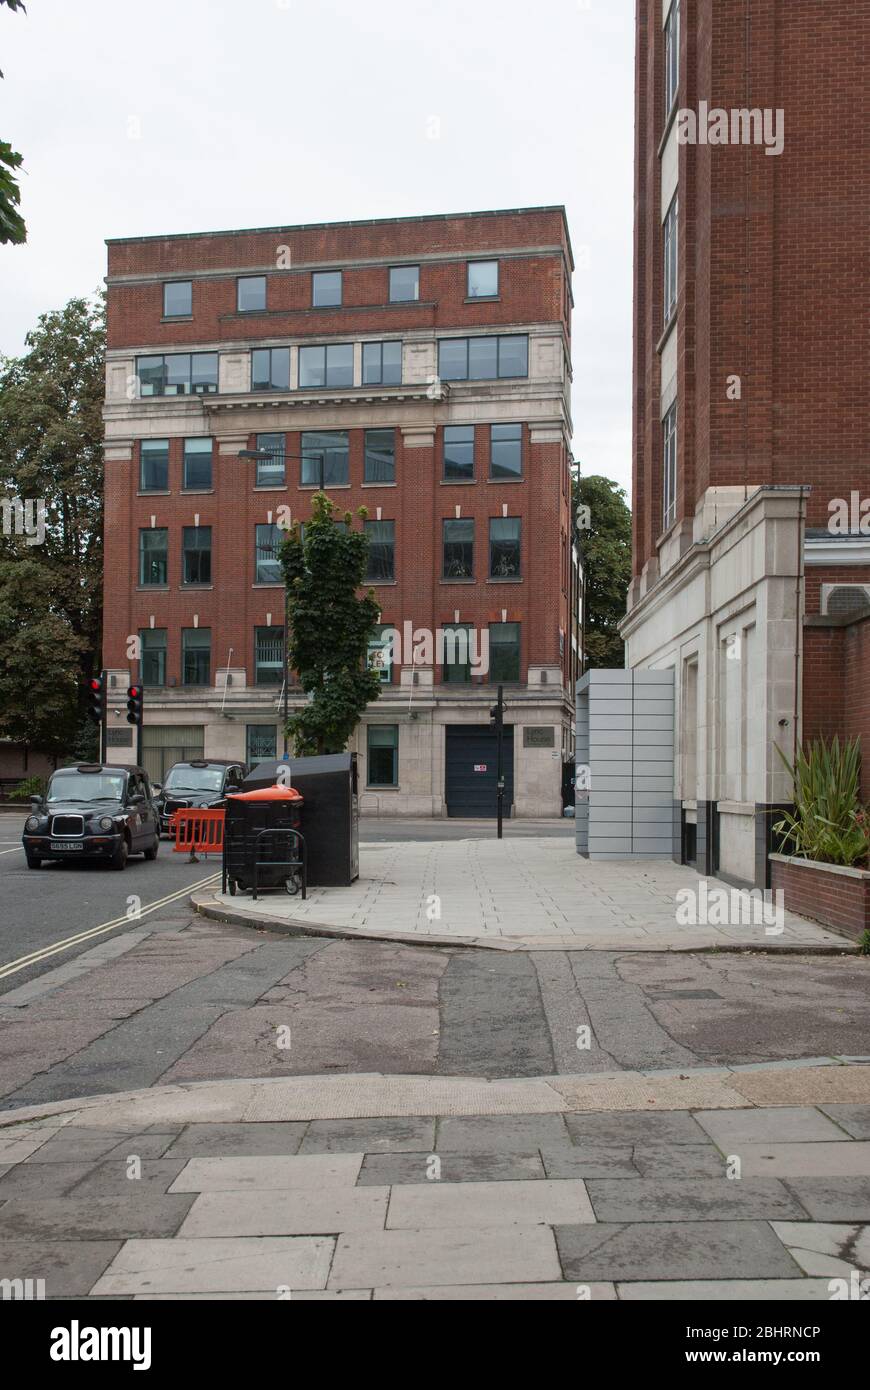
(268, 794)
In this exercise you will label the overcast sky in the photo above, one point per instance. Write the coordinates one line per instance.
(138, 117)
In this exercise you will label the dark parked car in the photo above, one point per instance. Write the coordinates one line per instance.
(202, 782)
(93, 812)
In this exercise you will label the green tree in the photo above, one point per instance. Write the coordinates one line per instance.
(12, 228)
(51, 456)
(329, 627)
(606, 547)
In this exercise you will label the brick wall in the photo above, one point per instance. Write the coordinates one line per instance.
(837, 900)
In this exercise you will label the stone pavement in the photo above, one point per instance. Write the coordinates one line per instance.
(728, 1183)
(534, 893)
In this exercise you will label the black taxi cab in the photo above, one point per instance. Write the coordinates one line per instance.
(93, 811)
(197, 785)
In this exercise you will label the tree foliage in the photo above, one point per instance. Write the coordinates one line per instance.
(606, 549)
(329, 627)
(12, 228)
(51, 591)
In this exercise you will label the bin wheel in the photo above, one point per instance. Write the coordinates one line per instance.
(242, 886)
(232, 887)
(293, 884)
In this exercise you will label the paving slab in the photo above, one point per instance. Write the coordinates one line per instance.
(833, 1199)
(823, 1160)
(486, 1204)
(589, 1161)
(673, 1250)
(69, 1267)
(218, 1266)
(301, 1212)
(689, 1090)
(369, 1136)
(630, 1128)
(848, 1085)
(826, 1249)
(726, 1291)
(496, 1134)
(143, 1213)
(380, 1169)
(41, 1180)
(240, 1140)
(854, 1119)
(779, 1124)
(111, 1178)
(267, 1174)
(469, 1255)
(692, 1199)
(496, 1293)
(368, 1096)
(663, 1161)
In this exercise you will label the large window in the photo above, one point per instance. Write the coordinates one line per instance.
(504, 547)
(267, 565)
(382, 364)
(380, 652)
(404, 283)
(383, 755)
(261, 743)
(669, 467)
(250, 293)
(153, 557)
(459, 453)
(482, 279)
(271, 470)
(504, 652)
(483, 359)
(270, 369)
(380, 456)
(152, 666)
(268, 655)
(326, 366)
(382, 551)
(458, 548)
(506, 451)
(326, 289)
(325, 458)
(196, 656)
(177, 299)
(672, 56)
(197, 464)
(178, 374)
(669, 234)
(196, 555)
(154, 465)
(457, 654)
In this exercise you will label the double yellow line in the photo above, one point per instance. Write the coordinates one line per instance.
(70, 941)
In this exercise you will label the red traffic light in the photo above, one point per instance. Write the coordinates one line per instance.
(96, 684)
(134, 692)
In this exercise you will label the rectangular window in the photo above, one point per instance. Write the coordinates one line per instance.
(672, 56)
(483, 359)
(506, 451)
(152, 667)
(669, 467)
(154, 465)
(380, 652)
(250, 293)
(325, 458)
(382, 364)
(504, 653)
(383, 755)
(326, 289)
(261, 743)
(178, 374)
(177, 299)
(326, 366)
(504, 547)
(382, 551)
(458, 548)
(669, 235)
(196, 555)
(458, 453)
(270, 369)
(482, 279)
(267, 568)
(154, 556)
(404, 283)
(271, 470)
(457, 654)
(268, 655)
(197, 464)
(380, 456)
(196, 656)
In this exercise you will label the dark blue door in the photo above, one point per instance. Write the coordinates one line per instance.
(472, 762)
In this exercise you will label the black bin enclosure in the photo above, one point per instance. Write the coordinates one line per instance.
(329, 787)
(263, 844)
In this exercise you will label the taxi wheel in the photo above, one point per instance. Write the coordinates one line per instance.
(34, 861)
(119, 858)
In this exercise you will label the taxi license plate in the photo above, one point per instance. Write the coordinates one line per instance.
(66, 844)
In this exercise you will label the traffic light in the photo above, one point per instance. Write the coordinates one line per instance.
(134, 704)
(96, 688)
(496, 712)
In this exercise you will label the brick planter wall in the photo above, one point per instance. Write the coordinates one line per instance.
(838, 898)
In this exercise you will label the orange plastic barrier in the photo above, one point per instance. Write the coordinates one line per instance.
(198, 832)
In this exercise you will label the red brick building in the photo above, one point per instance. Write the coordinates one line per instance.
(418, 367)
(751, 463)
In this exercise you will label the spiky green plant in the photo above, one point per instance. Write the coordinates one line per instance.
(829, 823)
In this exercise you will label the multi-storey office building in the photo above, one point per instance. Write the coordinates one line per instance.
(751, 466)
(418, 367)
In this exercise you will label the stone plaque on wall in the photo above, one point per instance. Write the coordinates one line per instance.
(119, 738)
(539, 737)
